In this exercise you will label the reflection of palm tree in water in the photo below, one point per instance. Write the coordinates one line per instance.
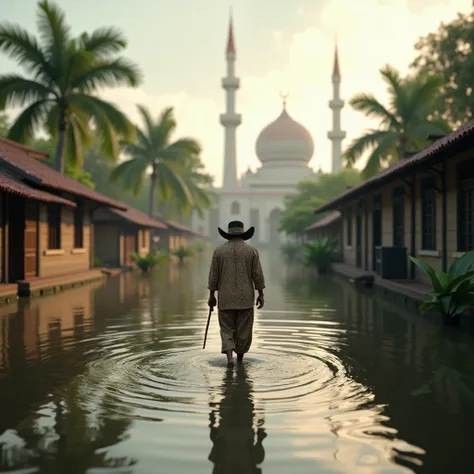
(235, 449)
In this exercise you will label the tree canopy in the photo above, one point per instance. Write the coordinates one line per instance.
(175, 167)
(448, 52)
(299, 208)
(404, 125)
(62, 74)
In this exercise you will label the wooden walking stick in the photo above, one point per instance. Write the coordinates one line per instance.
(207, 327)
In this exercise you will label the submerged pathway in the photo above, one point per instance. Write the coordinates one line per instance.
(336, 382)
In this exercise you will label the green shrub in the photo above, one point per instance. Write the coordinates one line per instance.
(452, 292)
(320, 253)
(183, 252)
(145, 264)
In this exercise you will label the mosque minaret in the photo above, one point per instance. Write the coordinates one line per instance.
(230, 120)
(284, 149)
(336, 135)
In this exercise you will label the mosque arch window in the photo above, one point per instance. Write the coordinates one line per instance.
(235, 208)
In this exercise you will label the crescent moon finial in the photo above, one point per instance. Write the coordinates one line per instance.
(284, 97)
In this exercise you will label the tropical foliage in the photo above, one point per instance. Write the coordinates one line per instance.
(299, 208)
(183, 252)
(175, 169)
(62, 74)
(146, 263)
(404, 125)
(447, 52)
(452, 293)
(320, 253)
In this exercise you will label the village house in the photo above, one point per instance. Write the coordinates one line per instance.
(175, 235)
(422, 206)
(46, 231)
(329, 226)
(118, 234)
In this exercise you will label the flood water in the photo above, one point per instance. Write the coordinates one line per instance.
(112, 378)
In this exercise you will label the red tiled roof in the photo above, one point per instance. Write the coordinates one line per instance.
(406, 165)
(9, 185)
(326, 220)
(15, 155)
(28, 150)
(138, 217)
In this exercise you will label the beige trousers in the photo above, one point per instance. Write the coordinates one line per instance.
(236, 329)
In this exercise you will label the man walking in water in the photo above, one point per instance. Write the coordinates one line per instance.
(235, 274)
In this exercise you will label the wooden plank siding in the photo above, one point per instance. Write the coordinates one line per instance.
(67, 259)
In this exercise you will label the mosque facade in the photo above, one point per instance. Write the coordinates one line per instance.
(284, 148)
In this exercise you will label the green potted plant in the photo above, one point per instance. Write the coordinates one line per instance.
(452, 293)
(320, 253)
(146, 263)
(183, 252)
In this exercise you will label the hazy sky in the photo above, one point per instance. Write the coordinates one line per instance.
(281, 44)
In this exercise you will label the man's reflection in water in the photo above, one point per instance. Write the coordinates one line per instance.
(236, 446)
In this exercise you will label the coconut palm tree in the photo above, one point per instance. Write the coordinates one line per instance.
(404, 125)
(153, 150)
(62, 74)
(198, 183)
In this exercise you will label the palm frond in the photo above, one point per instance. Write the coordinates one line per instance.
(104, 41)
(170, 183)
(104, 73)
(393, 79)
(129, 172)
(19, 45)
(17, 91)
(181, 148)
(78, 137)
(29, 121)
(380, 154)
(108, 120)
(360, 145)
(74, 146)
(372, 108)
(55, 36)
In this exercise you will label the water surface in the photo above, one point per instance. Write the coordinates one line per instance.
(112, 378)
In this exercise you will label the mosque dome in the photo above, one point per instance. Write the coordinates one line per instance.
(284, 140)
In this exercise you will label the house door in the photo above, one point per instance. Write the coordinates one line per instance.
(16, 238)
(130, 246)
(31, 219)
(376, 228)
(359, 238)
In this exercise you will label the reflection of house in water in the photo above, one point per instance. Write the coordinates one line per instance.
(236, 436)
(38, 347)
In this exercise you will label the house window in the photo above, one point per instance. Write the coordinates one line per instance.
(54, 227)
(349, 228)
(79, 226)
(428, 214)
(466, 210)
(398, 210)
(235, 208)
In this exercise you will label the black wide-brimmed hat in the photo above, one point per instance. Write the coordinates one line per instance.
(236, 229)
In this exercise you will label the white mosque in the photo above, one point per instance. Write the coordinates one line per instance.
(284, 148)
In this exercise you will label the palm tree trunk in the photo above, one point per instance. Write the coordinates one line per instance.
(59, 158)
(151, 202)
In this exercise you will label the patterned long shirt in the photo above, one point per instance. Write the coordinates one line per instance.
(235, 274)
